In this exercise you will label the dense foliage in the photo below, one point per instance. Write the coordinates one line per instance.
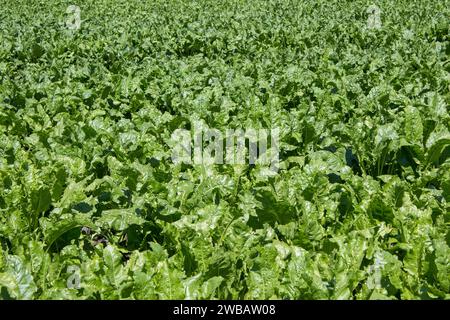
(358, 210)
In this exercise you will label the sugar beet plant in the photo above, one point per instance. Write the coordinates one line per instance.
(93, 207)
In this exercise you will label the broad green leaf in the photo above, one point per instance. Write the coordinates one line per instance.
(119, 219)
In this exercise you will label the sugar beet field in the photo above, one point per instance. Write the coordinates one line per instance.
(352, 96)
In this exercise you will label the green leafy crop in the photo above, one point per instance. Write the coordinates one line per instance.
(93, 207)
